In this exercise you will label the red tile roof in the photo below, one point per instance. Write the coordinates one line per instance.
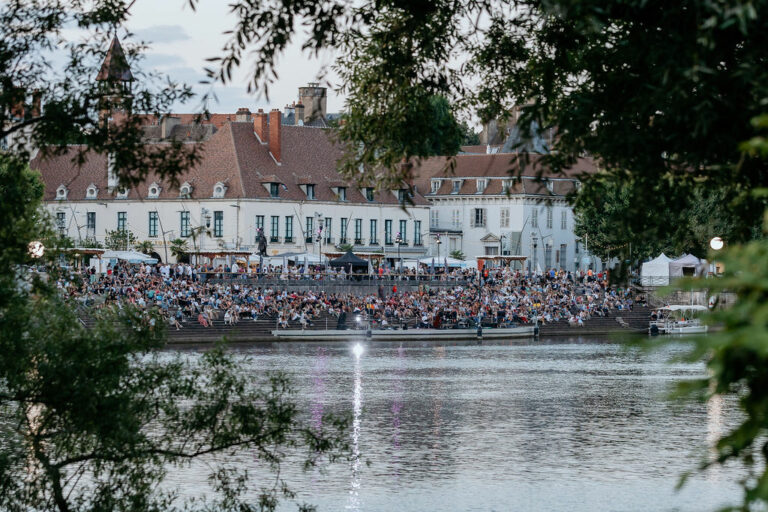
(233, 156)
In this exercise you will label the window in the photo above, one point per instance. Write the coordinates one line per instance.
(562, 255)
(288, 229)
(478, 217)
(358, 231)
(434, 186)
(402, 196)
(328, 225)
(153, 224)
(481, 184)
(218, 224)
(309, 232)
(550, 185)
(185, 191)
(453, 243)
(456, 218)
(184, 224)
(369, 194)
(404, 231)
(549, 217)
(274, 229)
(343, 231)
(61, 192)
(61, 223)
(374, 239)
(506, 186)
(122, 193)
(417, 232)
(274, 190)
(576, 247)
(504, 223)
(491, 250)
(122, 219)
(91, 192)
(564, 219)
(548, 255)
(311, 192)
(259, 227)
(342, 193)
(154, 191)
(535, 218)
(219, 190)
(434, 218)
(388, 232)
(456, 186)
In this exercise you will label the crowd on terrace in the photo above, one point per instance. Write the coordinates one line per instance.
(496, 298)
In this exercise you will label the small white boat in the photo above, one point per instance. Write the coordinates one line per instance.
(678, 319)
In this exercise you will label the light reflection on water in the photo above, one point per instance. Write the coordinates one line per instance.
(495, 427)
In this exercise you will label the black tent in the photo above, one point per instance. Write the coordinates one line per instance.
(350, 261)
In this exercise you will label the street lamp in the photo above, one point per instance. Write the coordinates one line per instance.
(438, 242)
(716, 244)
(398, 241)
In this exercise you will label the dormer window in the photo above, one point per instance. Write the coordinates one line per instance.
(154, 191)
(456, 186)
(311, 191)
(91, 192)
(185, 191)
(122, 193)
(434, 186)
(342, 193)
(550, 185)
(219, 189)
(369, 194)
(506, 186)
(274, 190)
(481, 184)
(61, 193)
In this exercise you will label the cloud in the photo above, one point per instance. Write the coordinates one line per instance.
(161, 60)
(162, 33)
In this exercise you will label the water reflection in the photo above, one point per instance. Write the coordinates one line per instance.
(580, 426)
(357, 409)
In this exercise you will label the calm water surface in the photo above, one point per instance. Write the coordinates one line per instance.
(577, 425)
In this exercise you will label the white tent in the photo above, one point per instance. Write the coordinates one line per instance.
(441, 262)
(686, 265)
(656, 271)
(129, 256)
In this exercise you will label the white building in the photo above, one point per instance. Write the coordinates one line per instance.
(481, 209)
(254, 174)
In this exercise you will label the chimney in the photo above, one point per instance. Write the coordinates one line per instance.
(314, 99)
(289, 112)
(243, 115)
(260, 126)
(275, 129)
(166, 126)
(299, 110)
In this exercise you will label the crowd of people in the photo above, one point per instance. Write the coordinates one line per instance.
(500, 297)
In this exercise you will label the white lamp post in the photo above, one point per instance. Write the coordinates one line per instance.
(716, 244)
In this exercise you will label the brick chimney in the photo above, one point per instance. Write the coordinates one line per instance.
(243, 115)
(275, 130)
(260, 126)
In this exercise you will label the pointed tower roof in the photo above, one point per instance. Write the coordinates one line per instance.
(115, 67)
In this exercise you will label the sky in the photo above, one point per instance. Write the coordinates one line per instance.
(181, 39)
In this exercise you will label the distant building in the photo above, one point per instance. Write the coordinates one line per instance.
(256, 173)
(481, 209)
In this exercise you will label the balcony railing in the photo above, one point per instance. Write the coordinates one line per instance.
(308, 239)
(373, 242)
(358, 241)
(289, 239)
(342, 240)
(274, 239)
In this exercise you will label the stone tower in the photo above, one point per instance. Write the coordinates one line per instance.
(314, 100)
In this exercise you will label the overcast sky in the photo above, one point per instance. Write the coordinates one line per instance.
(181, 39)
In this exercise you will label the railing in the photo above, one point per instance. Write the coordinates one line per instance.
(320, 277)
(358, 241)
(288, 240)
(274, 239)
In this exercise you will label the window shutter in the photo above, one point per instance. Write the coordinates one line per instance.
(472, 218)
(485, 217)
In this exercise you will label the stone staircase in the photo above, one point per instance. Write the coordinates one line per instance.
(635, 320)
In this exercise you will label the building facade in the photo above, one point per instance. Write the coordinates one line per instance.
(255, 174)
(487, 206)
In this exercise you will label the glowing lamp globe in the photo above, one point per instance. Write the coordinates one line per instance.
(36, 249)
(716, 243)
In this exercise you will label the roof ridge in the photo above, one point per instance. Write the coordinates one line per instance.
(237, 158)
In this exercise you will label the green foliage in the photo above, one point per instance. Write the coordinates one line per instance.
(469, 136)
(179, 247)
(146, 247)
(345, 247)
(737, 362)
(604, 213)
(457, 254)
(120, 240)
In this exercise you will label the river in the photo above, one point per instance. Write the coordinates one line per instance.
(571, 425)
